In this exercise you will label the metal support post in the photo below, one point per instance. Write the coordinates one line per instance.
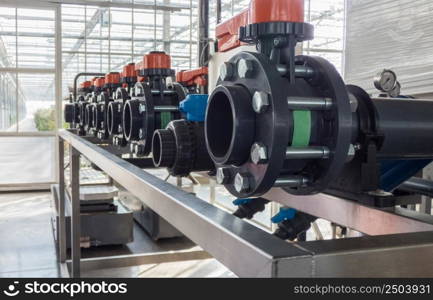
(75, 217)
(166, 26)
(426, 205)
(218, 11)
(203, 37)
(61, 204)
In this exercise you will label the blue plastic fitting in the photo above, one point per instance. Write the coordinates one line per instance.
(194, 107)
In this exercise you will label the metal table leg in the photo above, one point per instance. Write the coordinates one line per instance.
(61, 204)
(426, 205)
(75, 217)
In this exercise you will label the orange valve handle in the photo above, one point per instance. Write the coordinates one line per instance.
(227, 33)
(193, 77)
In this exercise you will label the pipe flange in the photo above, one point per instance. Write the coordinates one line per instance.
(229, 116)
(69, 113)
(279, 127)
(139, 117)
(89, 117)
(114, 117)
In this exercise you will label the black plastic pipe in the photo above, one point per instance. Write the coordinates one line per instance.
(419, 186)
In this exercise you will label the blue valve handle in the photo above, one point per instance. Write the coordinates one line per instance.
(239, 202)
(284, 215)
(194, 107)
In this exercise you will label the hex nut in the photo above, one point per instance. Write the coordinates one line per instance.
(242, 183)
(259, 154)
(141, 108)
(226, 71)
(260, 102)
(245, 68)
(223, 176)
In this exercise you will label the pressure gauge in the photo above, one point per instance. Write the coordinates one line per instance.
(395, 93)
(385, 81)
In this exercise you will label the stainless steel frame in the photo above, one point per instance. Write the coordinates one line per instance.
(367, 220)
(249, 251)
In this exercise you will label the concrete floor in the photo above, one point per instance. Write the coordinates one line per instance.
(27, 246)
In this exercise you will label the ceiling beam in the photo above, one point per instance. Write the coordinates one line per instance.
(101, 4)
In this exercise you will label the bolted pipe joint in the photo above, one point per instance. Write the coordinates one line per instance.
(267, 131)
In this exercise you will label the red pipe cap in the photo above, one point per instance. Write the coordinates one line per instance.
(129, 71)
(112, 78)
(262, 11)
(93, 81)
(157, 60)
(100, 82)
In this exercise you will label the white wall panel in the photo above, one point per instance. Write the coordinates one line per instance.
(395, 34)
